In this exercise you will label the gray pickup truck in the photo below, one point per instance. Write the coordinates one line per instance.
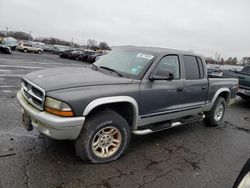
(137, 90)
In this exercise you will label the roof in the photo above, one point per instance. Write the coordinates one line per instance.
(157, 50)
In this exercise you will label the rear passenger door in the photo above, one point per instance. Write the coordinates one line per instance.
(194, 92)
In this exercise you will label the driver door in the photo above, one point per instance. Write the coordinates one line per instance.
(160, 99)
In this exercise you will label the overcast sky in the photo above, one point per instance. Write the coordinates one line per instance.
(204, 26)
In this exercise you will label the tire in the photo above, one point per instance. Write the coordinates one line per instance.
(94, 132)
(215, 116)
(25, 50)
(39, 51)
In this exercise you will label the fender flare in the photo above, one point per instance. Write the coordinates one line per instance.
(224, 89)
(116, 99)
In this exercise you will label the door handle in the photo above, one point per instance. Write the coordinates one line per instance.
(204, 87)
(179, 89)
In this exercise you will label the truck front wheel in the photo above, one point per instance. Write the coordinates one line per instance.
(215, 116)
(104, 137)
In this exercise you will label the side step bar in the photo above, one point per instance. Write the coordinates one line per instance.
(148, 131)
(152, 129)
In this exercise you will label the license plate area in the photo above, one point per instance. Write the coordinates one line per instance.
(26, 121)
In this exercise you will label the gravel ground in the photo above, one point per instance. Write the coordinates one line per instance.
(188, 156)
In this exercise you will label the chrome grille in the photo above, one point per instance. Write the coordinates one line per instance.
(33, 93)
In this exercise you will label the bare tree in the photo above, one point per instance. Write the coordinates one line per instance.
(217, 57)
(17, 35)
(92, 44)
(231, 61)
(104, 46)
(235, 60)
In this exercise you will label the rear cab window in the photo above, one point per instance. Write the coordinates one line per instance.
(193, 67)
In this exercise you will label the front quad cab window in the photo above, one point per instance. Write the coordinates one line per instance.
(167, 69)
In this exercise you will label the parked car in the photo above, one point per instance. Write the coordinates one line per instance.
(244, 80)
(130, 90)
(75, 54)
(48, 48)
(65, 53)
(10, 42)
(84, 56)
(24, 47)
(38, 44)
(58, 49)
(214, 70)
(93, 58)
(5, 49)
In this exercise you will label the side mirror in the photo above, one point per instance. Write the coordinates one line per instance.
(162, 74)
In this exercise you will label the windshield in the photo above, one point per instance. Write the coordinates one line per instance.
(131, 62)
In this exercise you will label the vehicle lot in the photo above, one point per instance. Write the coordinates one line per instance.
(187, 156)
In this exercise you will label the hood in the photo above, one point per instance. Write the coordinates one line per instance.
(62, 78)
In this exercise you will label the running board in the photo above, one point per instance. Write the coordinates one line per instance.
(148, 131)
(151, 128)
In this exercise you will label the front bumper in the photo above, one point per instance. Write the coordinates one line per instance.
(60, 128)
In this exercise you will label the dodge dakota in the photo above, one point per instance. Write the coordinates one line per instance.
(137, 90)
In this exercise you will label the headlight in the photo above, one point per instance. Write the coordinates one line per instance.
(57, 107)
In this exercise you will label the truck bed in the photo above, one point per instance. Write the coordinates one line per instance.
(216, 82)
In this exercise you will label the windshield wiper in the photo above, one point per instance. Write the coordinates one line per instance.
(110, 69)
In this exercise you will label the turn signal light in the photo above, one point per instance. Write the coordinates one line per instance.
(58, 112)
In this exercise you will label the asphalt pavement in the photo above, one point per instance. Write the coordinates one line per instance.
(189, 156)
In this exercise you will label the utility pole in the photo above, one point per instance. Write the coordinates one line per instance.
(7, 31)
(83, 38)
(30, 36)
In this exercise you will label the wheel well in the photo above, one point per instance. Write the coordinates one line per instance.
(224, 95)
(123, 108)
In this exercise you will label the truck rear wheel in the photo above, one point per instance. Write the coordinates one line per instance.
(215, 116)
(104, 137)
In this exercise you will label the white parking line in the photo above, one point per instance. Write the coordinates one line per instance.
(47, 63)
(24, 67)
(6, 91)
(7, 86)
(11, 75)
